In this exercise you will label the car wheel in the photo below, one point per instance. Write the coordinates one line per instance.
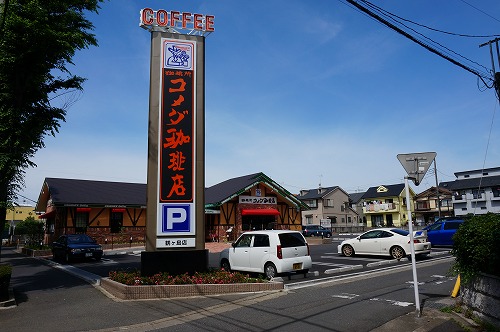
(224, 264)
(270, 270)
(328, 235)
(348, 250)
(397, 252)
(98, 258)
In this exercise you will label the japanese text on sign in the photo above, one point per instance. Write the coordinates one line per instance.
(175, 242)
(258, 200)
(177, 123)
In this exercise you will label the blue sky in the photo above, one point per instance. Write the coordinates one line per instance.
(307, 92)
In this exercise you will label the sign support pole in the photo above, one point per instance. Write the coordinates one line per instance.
(412, 246)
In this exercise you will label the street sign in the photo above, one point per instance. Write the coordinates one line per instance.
(416, 164)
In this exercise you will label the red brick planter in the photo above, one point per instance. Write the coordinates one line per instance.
(125, 292)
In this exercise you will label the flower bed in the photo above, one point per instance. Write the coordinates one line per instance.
(125, 292)
(131, 286)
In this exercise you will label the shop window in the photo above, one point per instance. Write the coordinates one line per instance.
(81, 221)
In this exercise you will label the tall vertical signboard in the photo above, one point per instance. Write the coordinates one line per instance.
(177, 145)
(175, 187)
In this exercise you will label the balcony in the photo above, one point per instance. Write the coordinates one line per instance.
(383, 207)
(423, 206)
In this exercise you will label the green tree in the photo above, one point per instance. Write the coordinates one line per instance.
(38, 39)
(32, 230)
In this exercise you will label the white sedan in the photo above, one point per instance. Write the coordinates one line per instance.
(392, 242)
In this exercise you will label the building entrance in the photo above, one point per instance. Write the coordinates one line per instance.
(257, 223)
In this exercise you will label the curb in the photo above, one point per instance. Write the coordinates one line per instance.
(10, 303)
(343, 269)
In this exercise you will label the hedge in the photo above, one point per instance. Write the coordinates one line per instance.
(477, 246)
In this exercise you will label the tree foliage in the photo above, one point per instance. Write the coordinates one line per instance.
(32, 230)
(38, 39)
(477, 246)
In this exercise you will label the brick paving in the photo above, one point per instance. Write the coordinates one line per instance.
(217, 246)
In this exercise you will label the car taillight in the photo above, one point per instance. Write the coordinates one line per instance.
(279, 252)
(414, 241)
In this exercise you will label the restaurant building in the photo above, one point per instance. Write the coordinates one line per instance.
(116, 211)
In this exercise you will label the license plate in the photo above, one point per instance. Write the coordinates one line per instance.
(297, 266)
(88, 254)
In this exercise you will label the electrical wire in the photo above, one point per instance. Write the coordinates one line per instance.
(391, 17)
(480, 10)
(484, 77)
(427, 27)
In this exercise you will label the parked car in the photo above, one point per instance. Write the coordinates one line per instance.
(68, 247)
(392, 242)
(270, 252)
(316, 230)
(441, 232)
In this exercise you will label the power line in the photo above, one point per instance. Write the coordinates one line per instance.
(480, 10)
(427, 27)
(482, 76)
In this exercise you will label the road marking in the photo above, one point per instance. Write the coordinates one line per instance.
(346, 296)
(392, 302)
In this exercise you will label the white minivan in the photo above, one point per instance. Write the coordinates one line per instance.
(269, 252)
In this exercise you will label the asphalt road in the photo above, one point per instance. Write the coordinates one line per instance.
(49, 299)
(326, 263)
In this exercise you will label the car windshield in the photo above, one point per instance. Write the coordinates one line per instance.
(400, 231)
(79, 238)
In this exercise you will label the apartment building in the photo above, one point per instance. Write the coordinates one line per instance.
(329, 207)
(475, 191)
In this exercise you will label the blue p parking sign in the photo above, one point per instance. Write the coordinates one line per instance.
(176, 219)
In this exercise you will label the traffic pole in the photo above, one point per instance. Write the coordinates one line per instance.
(412, 246)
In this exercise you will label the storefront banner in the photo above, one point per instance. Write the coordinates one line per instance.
(258, 200)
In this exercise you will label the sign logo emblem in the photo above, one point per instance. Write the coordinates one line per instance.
(178, 56)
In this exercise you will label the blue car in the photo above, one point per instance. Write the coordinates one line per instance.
(441, 232)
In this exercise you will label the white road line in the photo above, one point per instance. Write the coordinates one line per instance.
(393, 302)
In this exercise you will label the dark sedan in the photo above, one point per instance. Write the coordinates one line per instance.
(316, 230)
(71, 246)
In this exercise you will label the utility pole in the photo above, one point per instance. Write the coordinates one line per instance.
(497, 74)
(438, 201)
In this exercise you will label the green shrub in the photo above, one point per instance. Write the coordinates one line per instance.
(5, 269)
(477, 247)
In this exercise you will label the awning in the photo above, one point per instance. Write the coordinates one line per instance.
(260, 212)
(47, 215)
